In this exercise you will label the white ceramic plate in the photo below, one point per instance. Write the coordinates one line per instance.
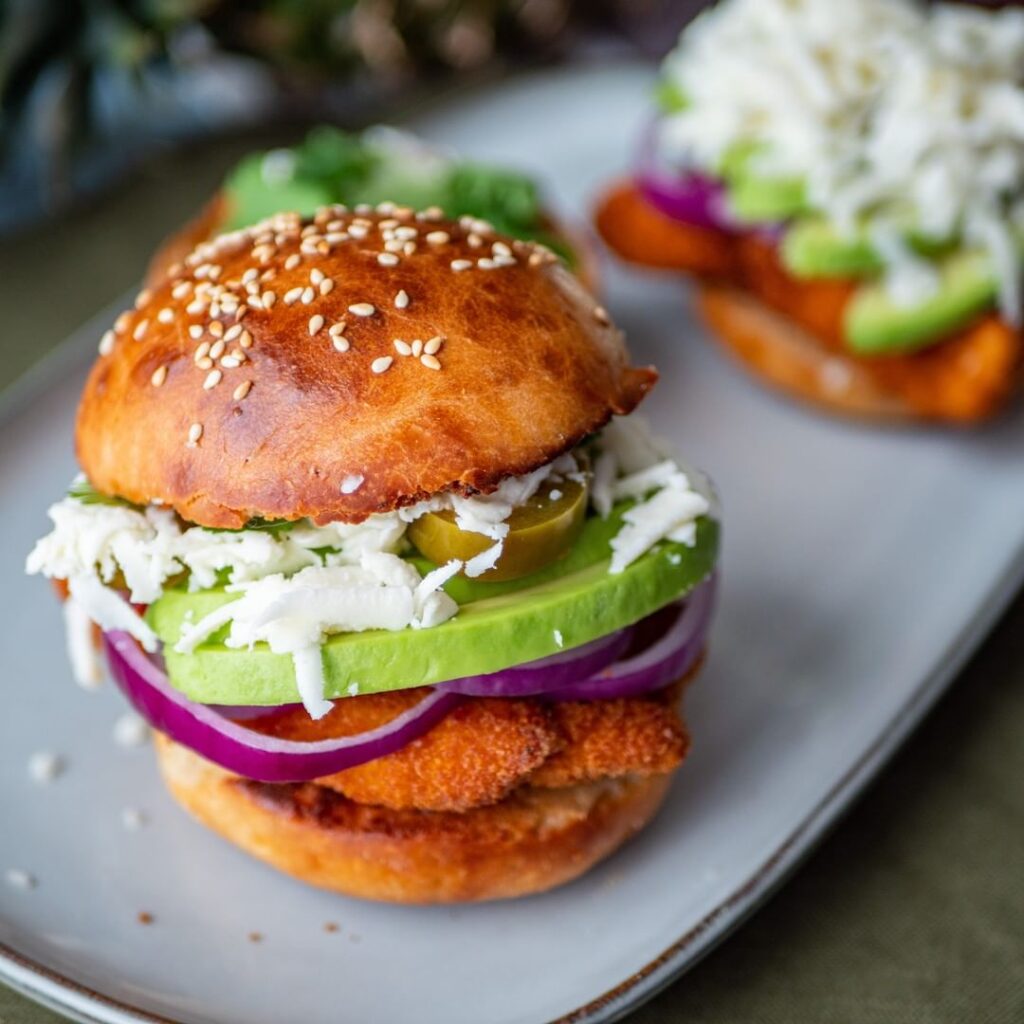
(860, 569)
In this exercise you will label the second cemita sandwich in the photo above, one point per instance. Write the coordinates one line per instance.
(376, 545)
(846, 181)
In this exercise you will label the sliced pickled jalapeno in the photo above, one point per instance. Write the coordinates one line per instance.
(540, 532)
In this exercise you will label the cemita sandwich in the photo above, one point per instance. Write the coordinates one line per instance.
(376, 545)
(846, 182)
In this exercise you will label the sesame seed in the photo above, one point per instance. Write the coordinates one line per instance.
(601, 315)
(217, 348)
(438, 237)
(433, 346)
(351, 483)
(335, 237)
(196, 306)
(308, 295)
(387, 259)
(430, 362)
(202, 351)
(409, 248)
(394, 245)
(159, 376)
(142, 298)
(326, 286)
(431, 213)
(245, 339)
(484, 263)
(195, 332)
(505, 261)
(316, 275)
(206, 363)
(340, 343)
(195, 432)
(461, 264)
(232, 332)
(387, 224)
(16, 878)
(181, 289)
(292, 295)
(107, 343)
(402, 299)
(217, 329)
(338, 328)
(140, 330)
(417, 348)
(357, 231)
(474, 240)
(380, 364)
(250, 275)
(406, 233)
(315, 323)
(268, 299)
(166, 315)
(293, 261)
(536, 259)
(121, 323)
(403, 348)
(242, 390)
(44, 767)
(212, 379)
(362, 309)
(501, 249)
(132, 819)
(231, 362)
(243, 309)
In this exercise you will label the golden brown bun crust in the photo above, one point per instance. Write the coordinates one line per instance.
(789, 359)
(529, 367)
(789, 331)
(531, 841)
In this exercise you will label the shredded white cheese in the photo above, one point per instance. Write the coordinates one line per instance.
(300, 585)
(294, 615)
(889, 111)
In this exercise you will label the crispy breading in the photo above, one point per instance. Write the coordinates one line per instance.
(474, 756)
(487, 747)
(610, 738)
(640, 233)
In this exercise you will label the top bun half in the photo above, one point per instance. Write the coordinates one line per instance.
(348, 364)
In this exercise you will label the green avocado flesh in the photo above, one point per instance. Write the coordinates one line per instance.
(498, 624)
(332, 166)
(813, 248)
(755, 199)
(875, 325)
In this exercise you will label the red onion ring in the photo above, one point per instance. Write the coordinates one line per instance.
(661, 663)
(551, 673)
(249, 753)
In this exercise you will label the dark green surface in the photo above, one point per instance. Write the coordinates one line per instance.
(912, 912)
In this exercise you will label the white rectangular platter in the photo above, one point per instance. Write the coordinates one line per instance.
(860, 568)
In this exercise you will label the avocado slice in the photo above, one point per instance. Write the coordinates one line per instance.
(251, 198)
(875, 325)
(755, 199)
(812, 247)
(499, 625)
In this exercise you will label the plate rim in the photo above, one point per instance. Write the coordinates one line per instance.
(80, 1002)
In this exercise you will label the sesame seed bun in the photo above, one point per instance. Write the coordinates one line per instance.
(345, 365)
(788, 332)
(531, 841)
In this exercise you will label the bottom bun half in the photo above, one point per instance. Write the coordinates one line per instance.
(533, 840)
